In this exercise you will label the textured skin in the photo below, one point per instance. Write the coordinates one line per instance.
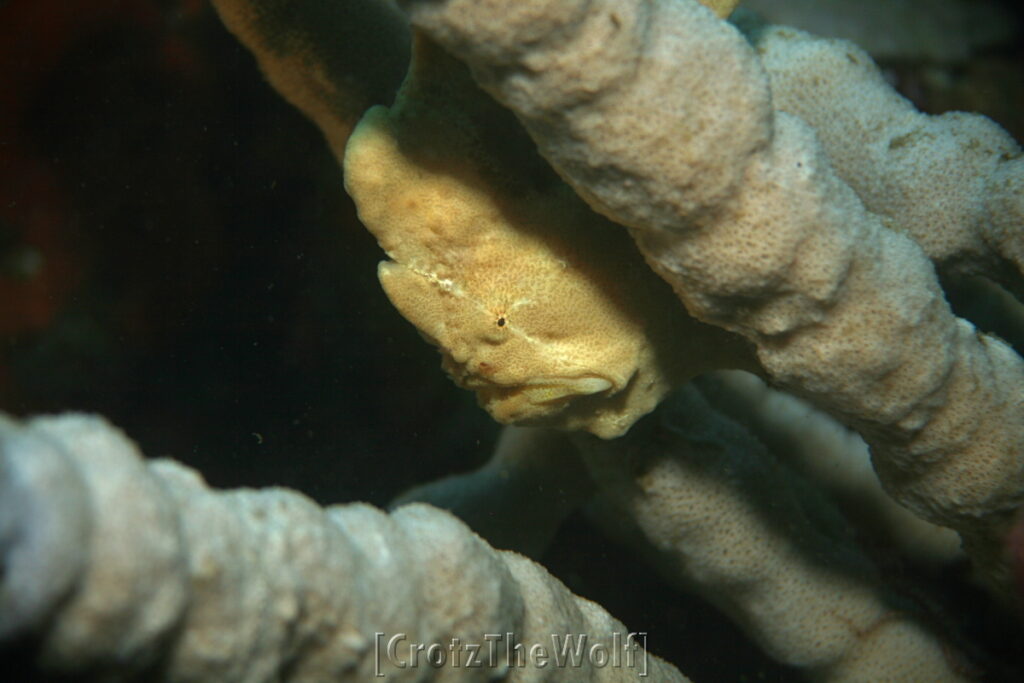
(542, 307)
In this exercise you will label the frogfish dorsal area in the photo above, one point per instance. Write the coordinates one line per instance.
(543, 308)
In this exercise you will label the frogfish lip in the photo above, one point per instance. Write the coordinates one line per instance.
(542, 389)
(482, 376)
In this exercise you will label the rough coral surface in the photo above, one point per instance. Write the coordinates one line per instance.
(661, 116)
(118, 568)
(695, 494)
(939, 179)
(719, 515)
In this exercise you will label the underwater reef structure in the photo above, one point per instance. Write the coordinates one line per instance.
(678, 257)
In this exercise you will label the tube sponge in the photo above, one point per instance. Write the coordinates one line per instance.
(116, 566)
